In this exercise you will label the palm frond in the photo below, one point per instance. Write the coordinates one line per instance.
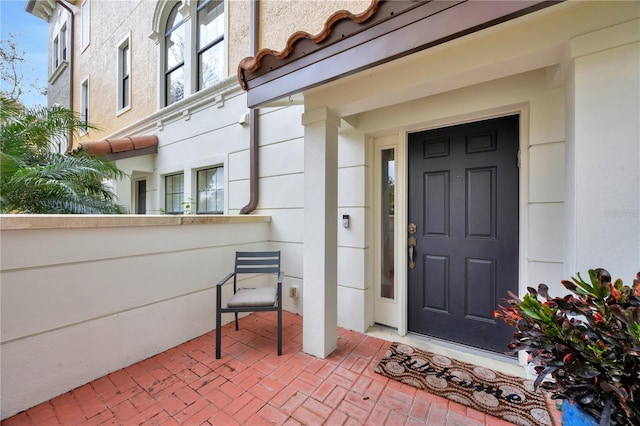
(34, 179)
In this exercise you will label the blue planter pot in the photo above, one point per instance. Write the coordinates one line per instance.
(573, 415)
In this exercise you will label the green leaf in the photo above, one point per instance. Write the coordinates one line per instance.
(35, 179)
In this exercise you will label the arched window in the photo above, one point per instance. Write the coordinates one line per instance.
(191, 37)
(210, 46)
(174, 74)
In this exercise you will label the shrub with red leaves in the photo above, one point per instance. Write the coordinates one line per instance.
(588, 341)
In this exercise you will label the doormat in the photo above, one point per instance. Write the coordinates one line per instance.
(499, 395)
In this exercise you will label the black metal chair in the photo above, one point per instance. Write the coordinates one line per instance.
(251, 299)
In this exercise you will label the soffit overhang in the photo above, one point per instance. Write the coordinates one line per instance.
(42, 9)
(118, 149)
(386, 31)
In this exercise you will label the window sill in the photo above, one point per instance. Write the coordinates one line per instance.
(121, 111)
(58, 71)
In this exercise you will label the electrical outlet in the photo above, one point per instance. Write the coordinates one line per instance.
(293, 291)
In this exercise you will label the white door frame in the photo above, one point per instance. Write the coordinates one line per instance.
(401, 198)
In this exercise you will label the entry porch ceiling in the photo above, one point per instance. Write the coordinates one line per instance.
(386, 31)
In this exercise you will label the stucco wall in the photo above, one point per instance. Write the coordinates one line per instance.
(85, 296)
(281, 18)
(527, 66)
(355, 184)
(604, 152)
(111, 22)
(98, 62)
(206, 131)
(281, 186)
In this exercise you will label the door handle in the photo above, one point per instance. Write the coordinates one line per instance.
(412, 242)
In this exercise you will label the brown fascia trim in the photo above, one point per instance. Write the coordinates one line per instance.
(393, 29)
(251, 64)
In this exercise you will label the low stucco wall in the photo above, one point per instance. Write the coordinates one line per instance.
(83, 296)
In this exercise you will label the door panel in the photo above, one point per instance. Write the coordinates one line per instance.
(436, 293)
(436, 206)
(463, 197)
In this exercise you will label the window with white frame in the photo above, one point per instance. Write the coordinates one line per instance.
(210, 47)
(124, 75)
(210, 184)
(63, 43)
(85, 16)
(174, 194)
(84, 104)
(193, 49)
(174, 57)
(56, 52)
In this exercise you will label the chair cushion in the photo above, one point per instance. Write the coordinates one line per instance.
(247, 297)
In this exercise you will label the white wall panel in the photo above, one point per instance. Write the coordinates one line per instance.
(282, 192)
(286, 224)
(355, 235)
(607, 154)
(282, 158)
(352, 187)
(238, 165)
(178, 154)
(545, 232)
(549, 273)
(238, 195)
(280, 124)
(352, 309)
(351, 267)
(67, 311)
(547, 117)
(351, 148)
(546, 173)
(41, 367)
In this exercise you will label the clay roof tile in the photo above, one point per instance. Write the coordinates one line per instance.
(128, 146)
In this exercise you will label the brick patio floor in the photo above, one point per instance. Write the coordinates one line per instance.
(251, 385)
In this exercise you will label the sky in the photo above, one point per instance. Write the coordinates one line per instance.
(31, 37)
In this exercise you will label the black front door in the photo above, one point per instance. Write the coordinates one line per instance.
(463, 201)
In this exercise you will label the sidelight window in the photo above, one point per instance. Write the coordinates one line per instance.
(387, 208)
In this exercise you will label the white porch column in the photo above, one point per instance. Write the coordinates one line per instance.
(603, 152)
(320, 273)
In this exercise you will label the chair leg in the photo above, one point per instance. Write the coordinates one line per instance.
(279, 301)
(236, 321)
(280, 330)
(218, 321)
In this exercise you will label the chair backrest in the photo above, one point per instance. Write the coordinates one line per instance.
(257, 262)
